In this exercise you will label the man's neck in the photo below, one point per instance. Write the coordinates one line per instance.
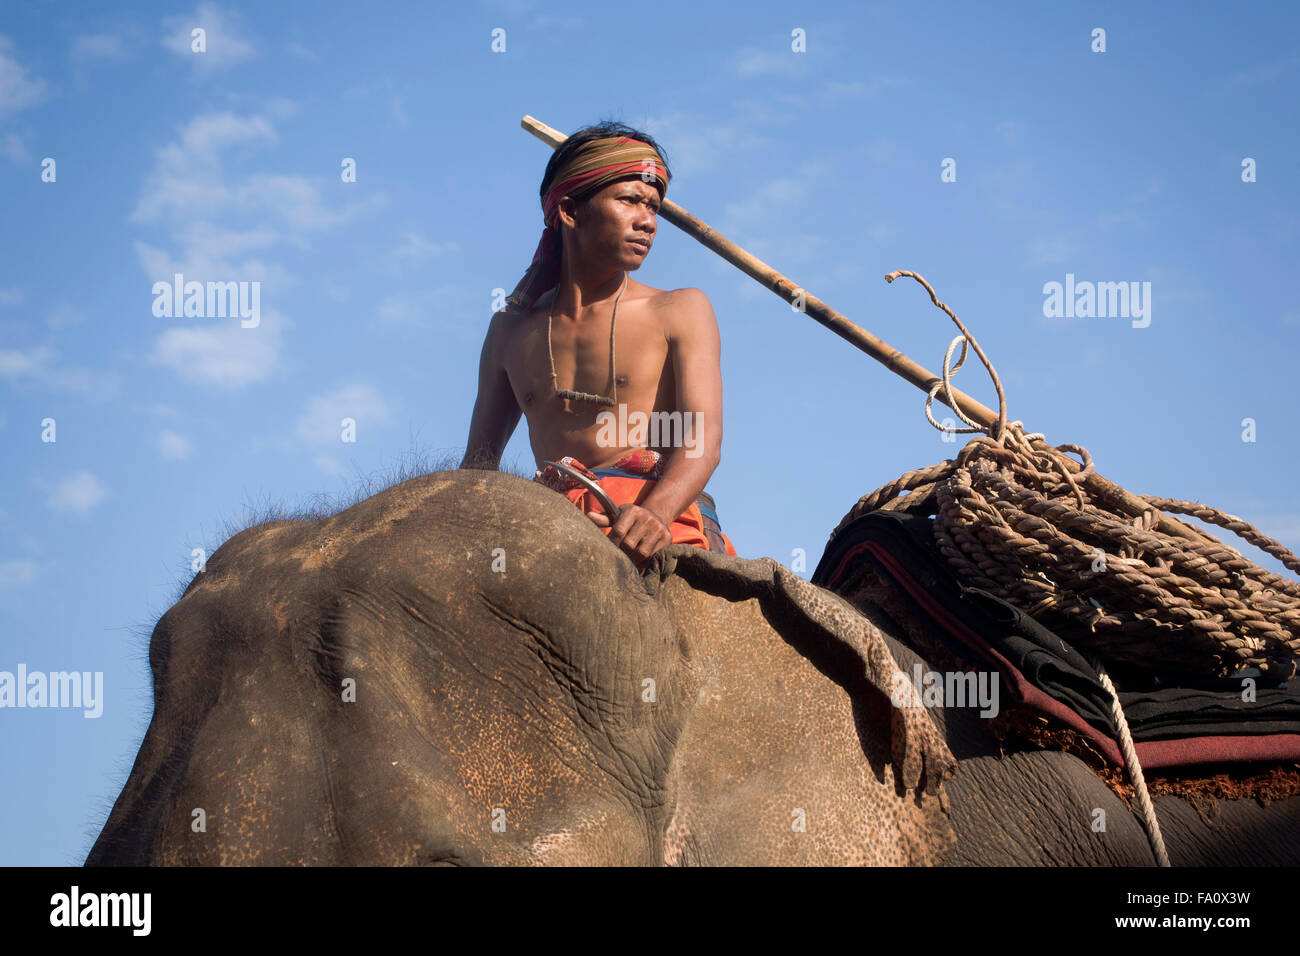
(582, 290)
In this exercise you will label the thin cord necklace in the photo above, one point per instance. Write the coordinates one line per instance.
(586, 396)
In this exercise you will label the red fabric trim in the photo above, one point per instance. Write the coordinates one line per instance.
(1153, 754)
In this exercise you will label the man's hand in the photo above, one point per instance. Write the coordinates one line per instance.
(638, 531)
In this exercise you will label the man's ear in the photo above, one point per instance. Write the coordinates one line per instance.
(568, 211)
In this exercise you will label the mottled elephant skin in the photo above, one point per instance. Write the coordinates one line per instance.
(463, 670)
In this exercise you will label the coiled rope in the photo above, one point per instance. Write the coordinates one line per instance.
(1011, 518)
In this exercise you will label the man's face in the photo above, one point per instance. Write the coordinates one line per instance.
(616, 224)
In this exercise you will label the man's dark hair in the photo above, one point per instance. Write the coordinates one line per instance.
(602, 130)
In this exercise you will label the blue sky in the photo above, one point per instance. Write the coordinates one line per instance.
(1115, 166)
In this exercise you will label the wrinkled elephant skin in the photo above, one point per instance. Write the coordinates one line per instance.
(463, 670)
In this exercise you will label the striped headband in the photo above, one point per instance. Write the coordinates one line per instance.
(592, 167)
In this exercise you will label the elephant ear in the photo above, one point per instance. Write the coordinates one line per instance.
(917, 748)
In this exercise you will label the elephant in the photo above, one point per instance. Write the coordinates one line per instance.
(463, 670)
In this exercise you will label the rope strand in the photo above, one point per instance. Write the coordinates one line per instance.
(587, 396)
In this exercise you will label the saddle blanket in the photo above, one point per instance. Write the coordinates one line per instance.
(1171, 726)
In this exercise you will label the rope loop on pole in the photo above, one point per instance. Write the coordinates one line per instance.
(1022, 519)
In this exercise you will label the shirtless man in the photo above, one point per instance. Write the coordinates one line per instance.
(665, 356)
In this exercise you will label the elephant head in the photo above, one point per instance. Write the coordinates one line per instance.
(462, 669)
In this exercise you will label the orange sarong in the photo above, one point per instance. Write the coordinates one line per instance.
(628, 481)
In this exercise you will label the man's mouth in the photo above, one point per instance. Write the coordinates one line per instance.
(644, 246)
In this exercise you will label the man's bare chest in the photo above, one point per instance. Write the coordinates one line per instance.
(578, 355)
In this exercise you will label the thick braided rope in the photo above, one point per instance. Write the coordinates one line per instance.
(1012, 519)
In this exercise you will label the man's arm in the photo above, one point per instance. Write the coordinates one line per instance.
(695, 349)
(496, 413)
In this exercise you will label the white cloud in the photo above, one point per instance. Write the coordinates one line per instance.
(78, 493)
(1124, 217)
(1050, 251)
(10, 297)
(19, 90)
(521, 13)
(15, 363)
(450, 310)
(1173, 287)
(511, 8)
(860, 89)
(1268, 72)
(201, 260)
(328, 465)
(300, 51)
(173, 446)
(296, 202)
(15, 150)
(416, 248)
(225, 39)
(38, 366)
(186, 178)
(187, 186)
(98, 46)
(321, 423)
(221, 352)
(552, 24)
(64, 316)
(754, 61)
(763, 205)
(17, 573)
(695, 144)
(881, 152)
(1130, 216)
(1012, 133)
(223, 228)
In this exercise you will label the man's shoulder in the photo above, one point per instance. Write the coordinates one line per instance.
(504, 328)
(508, 319)
(675, 299)
(687, 316)
(689, 304)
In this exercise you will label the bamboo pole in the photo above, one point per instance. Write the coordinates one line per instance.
(893, 359)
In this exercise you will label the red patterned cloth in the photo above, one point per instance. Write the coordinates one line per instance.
(641, 467)
(642, 461)
(594, 166)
